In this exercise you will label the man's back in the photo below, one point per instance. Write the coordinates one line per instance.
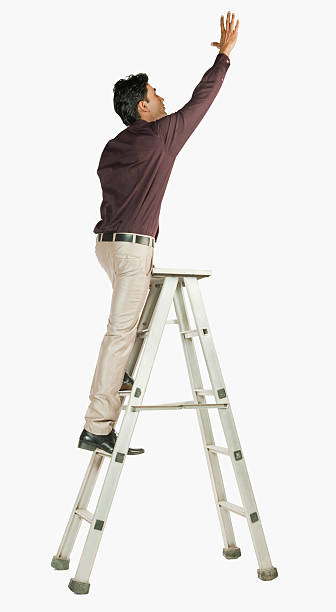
(135, 166)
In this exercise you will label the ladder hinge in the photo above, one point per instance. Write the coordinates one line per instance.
(137, 392)
(99, 525)
(254, 517)
(238, 455)
(205, 331)
(120, 457)
(221, 393)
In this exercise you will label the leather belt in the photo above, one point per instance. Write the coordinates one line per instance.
(113, 236)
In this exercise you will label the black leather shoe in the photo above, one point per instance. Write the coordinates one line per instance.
(90, 441)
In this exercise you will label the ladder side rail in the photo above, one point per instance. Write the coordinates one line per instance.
(229, 428)
(144, 323)
(90, 549)
(212, 460)
(74, 522)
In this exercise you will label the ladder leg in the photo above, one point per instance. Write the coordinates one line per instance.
(80, 583)
(62, 557)
(61, 560)
(231, 550)
(144, 324)
(142, 329)
(266, 571)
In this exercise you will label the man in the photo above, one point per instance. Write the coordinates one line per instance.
(134, 169)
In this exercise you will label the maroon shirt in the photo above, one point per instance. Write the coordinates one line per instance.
(135, 166)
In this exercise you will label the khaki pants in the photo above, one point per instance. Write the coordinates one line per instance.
(129, 266)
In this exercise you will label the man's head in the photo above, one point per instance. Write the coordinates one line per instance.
(134, 98)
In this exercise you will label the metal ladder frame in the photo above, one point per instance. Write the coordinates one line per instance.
(166, 287)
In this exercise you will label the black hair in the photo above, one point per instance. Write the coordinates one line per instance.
(127, 94)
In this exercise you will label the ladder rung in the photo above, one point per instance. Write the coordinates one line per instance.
(204, 391)
(232, 507)
(84, 514)
(99, 451)
(188, 333)
(218, 449)
(142, 332)
(176, 405)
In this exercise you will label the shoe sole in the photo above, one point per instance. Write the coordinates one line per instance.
(92, 447)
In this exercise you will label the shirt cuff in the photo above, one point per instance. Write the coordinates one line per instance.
(226, 57)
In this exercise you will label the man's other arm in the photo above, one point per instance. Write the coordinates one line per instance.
(175, 129)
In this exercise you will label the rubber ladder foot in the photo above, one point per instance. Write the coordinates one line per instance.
(60, 564)
(81, 588)
(233, 552)
(268, 574)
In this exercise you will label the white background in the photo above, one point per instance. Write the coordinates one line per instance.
(251, 197)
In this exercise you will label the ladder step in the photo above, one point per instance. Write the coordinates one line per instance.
(204, 392)
(99, 451)
(218, 449)
(83, 513)
(143, 332)
(201, 392)
(188, 333)
(232, 507)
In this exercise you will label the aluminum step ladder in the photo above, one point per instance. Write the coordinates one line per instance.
(166, 286)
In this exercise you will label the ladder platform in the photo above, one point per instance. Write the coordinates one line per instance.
(180, 272)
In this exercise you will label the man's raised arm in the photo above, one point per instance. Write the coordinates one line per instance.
(175, 129)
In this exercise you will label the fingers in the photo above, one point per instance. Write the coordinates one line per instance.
(229, 25)
(229, 21)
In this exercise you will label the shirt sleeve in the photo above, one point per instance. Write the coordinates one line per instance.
(175, 129)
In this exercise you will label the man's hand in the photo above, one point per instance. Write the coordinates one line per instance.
(228, 35)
